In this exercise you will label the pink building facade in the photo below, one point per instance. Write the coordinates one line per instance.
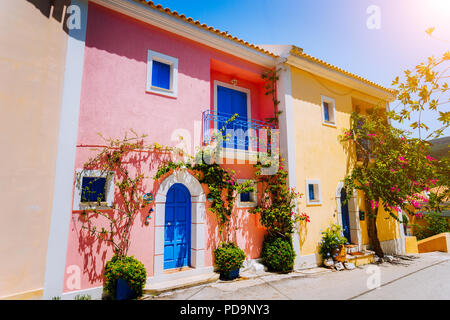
(122, 57)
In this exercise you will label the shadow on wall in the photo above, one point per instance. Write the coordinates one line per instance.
(53, 9)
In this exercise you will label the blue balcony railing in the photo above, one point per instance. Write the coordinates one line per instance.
(243, 134)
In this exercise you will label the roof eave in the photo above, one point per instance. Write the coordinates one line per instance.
(335, 75)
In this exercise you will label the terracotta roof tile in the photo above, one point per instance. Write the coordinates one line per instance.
(295, 50)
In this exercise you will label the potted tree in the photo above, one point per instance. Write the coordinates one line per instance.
(125, 277)
(332, 245)
(228, 260)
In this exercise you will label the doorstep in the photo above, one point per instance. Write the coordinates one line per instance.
(361, 258)
(185, 282)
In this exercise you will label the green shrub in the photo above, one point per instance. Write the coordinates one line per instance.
(128, 269)
(83, 297)
(228, 257)
(278, 253)
(435, 224)
(332, 239)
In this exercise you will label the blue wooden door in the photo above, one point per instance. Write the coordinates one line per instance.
(345, 215)
(177, 227)
(229, 102)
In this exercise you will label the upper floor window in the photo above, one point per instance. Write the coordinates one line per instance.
(162, 74)
(328, 111)
(313, 192)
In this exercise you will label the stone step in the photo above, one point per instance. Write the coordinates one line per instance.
(163, 286)
(351, 248)
(366, 257)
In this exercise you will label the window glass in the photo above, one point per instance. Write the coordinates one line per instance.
(93, 189)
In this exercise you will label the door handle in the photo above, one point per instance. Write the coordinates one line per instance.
(168, 223)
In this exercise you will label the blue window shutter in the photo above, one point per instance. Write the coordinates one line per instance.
(229, 102)
(311, 191)
(160, 75)
(245, 197)
(93, 189)
(326, 114)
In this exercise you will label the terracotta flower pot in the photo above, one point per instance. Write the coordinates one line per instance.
(340, 254)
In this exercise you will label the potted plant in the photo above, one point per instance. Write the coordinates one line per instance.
(228, 259)
(278, 254)
(332, 244)
(125, 278)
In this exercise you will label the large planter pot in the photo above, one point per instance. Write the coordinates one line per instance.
(340, 254)
(124, 291)
(229, 275)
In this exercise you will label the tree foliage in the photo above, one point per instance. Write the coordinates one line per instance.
(395, 171)
(424, 89)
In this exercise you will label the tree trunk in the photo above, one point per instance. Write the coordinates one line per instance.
(372, 230)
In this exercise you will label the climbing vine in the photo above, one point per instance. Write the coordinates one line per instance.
(222, 183)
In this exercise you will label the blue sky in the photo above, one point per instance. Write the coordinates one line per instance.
(335, 30)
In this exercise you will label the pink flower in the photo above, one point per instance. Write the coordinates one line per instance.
(429, 158)
(419, 215)
(374, 204)
(402, 159)
(372, 134)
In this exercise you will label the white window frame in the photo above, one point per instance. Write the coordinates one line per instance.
(331, 110)
(317, 192)
(253, 196)
(173, 63)
(109, 190)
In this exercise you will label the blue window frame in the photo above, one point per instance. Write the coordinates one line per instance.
(311, 191)
(245, 197)
(161, 75)
(326, 112)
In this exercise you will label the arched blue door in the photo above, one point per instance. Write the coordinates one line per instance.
(345, 215)
(177, 227)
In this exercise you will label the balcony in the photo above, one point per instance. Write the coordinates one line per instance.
(246, 135)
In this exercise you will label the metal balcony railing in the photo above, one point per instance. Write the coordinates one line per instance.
(243, 134)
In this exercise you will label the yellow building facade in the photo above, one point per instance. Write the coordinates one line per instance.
(317, 160)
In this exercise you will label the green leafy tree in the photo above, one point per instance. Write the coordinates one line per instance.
(424, 89)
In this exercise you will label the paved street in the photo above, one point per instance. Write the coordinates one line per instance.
(424, 276)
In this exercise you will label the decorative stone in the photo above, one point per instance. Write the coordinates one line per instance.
(148, 198)
(349, 266)
(339, 266)
(258, 268)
